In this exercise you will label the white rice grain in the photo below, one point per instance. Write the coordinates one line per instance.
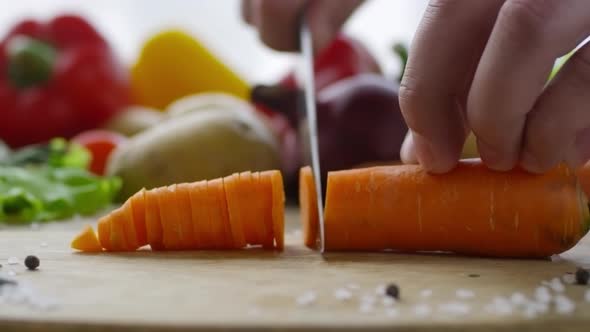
(426, 293)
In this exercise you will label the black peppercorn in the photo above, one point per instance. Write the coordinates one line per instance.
(582, 276)
(392, 290)
(32, 262)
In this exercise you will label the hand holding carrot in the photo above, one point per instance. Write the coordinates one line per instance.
(479, 66)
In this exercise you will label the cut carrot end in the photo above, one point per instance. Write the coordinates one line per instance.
(86, 241)
(308, 209)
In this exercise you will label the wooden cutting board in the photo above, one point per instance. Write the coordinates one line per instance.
(257, 290)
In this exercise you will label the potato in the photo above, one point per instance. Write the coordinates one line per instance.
(134, 120)
(196, 146)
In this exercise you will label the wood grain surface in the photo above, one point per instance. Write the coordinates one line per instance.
(259, 290)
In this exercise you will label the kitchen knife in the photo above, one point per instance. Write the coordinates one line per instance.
(311, 116)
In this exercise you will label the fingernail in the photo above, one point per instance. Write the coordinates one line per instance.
(530, 163)
(422, 151)
(493, 158)
(407, 151)
(582, 147)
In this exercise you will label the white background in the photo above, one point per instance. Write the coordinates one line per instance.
(217, 23)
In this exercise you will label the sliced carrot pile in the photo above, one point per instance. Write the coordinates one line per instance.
(470, 210)
(87, 241)
(240, 210)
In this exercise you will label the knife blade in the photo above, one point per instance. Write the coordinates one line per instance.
(311, 116)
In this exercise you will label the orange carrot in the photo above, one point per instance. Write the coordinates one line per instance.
(87, 241)
(263, 208)
(275, 179)
(200, 219)
(185, 214)
(230, 184)
(246, 203)
(171, 227)
(104, 232)
(153, 224)
(470, 210)
(217, 215)
(138, 209)
(223, 213)
(308, 208)
(118, 238)
(129, 226)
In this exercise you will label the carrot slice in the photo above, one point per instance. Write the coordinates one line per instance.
(170, 218)
(138, 207)
(264, 209)
(129, 226)
(104, 232)
(308, 208)
(218, 216)
(278, 205)
(230, 184)
(200, 218)
(247, 205)
(86, 241)
(186, 215)
(118, 236)
(153, 221)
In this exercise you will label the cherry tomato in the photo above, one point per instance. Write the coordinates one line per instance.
(100, 143)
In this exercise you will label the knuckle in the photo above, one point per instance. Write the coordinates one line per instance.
(527, 19)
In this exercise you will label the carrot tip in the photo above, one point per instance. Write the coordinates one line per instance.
(86, 241)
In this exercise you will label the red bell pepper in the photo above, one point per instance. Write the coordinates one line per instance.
(57, 78)
(342, 58)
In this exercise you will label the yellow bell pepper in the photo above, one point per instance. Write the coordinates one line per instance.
(172, 64)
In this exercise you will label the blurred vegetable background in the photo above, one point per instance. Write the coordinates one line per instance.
(159, 92)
